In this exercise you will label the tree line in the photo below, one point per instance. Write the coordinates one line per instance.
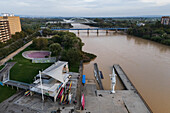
(20, 41)
(155, 32)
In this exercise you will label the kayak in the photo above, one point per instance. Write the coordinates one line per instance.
(83, 79)
(61, 92)
(101, 75)
(70, 86)
(61, 100)
(82, 101)
(69, 98)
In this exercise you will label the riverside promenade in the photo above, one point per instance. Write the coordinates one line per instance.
(2, 62)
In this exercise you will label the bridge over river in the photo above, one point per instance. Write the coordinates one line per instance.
(88, 29)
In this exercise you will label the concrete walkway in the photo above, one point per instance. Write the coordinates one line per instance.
(2, 62)
(4, 73)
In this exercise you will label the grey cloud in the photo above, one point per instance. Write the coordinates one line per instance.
(83, 7)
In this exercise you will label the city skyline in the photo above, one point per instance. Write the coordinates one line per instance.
(86, 8)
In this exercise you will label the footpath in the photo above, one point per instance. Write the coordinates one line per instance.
(2, 62)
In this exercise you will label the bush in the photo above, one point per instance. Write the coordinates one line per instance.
(146, 37)
(156, 38)
(167, 41)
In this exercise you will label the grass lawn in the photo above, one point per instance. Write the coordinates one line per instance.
(6, 92)
(24, 70)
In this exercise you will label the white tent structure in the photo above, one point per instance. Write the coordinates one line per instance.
(56, 71)
(53, 79)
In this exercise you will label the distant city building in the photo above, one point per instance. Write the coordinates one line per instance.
(165, 20)
(9, 24)
(140, 24)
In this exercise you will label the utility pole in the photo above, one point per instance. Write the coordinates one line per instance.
(41, 86)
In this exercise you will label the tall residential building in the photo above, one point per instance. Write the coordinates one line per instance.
(4, 30)
(165, 20)
(9, 24)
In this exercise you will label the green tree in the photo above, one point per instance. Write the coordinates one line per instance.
(55, 48)
(40, 43)
(73, 56)
(47, 32)
(57, 39)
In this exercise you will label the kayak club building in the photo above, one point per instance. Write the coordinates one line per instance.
(50, 81)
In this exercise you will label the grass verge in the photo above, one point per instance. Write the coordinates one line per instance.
(6, 92)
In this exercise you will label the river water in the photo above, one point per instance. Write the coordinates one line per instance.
(146, 63)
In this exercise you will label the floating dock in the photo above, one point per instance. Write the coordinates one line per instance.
(97, 76)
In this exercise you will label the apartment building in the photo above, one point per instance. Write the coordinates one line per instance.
(9, 24)
(165, 20)
(4, 30)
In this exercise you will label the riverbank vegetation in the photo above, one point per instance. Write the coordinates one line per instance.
(155, 32)
(120, 22)
(146, 28)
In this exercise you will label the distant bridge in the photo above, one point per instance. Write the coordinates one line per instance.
(88, 29)
(60, 29)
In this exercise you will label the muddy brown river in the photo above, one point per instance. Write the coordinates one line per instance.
(146, 63)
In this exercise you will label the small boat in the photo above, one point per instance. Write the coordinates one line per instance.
(70, 86)
(61, 100)
(82, 101)
(59, 86)
(101, 75)
(83, 79)
(1, 84)
(61, 92)
(69, 98)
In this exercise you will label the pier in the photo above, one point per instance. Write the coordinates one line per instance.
(97, 76)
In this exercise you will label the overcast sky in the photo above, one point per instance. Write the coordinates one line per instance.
(107, 8)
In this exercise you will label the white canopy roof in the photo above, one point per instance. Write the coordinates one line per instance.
(56, 71)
